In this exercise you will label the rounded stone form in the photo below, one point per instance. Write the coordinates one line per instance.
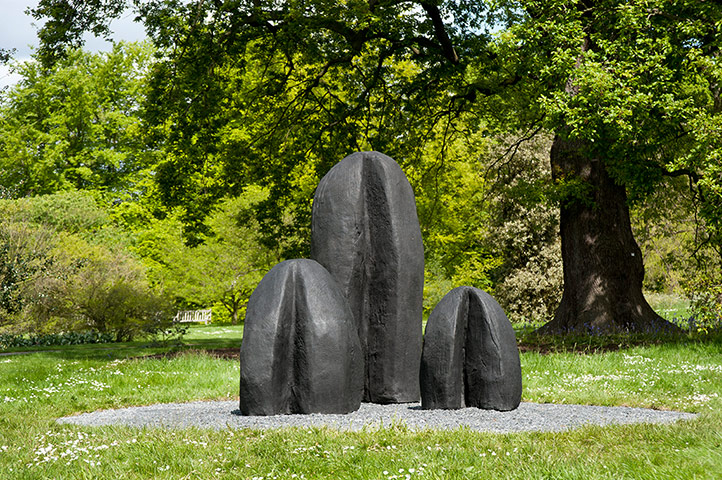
(365, 231)
(470, 356)
(300, 351)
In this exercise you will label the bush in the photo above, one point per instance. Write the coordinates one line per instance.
(524, 232)
(531, 293)
(70, 211)
(23, 253)
(92, 287)
(705, 295)
(55, 280)
(50, 339)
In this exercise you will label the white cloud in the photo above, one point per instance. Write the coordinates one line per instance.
(17, 30)
(7, 78)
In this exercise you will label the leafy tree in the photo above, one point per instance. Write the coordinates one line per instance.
(75, 125)
(70, 211)
(63, 267)
(523, 230)
(223, 269)
(630, 90)
(637, 104)
(23, 253)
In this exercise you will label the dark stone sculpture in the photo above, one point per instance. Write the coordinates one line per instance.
(470, 357)
(365, 231)
(300, 351)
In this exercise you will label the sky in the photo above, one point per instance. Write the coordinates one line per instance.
(18, 31)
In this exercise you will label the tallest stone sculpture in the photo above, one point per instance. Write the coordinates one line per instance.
(365, 232)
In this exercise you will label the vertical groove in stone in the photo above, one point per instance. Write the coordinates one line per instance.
(297, 350)
(381, 281)
(366, 233)
(474, 355)
(300, 351)
(470, 321)
(365, 280)
(442, 364)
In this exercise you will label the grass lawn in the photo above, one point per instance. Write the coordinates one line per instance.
(668, 306)
(37, 388)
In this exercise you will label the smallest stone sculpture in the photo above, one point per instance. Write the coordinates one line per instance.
(300, 351)
(470, 357)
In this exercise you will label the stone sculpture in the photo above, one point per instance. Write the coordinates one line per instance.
(365, 231)
(470, 357)
(300, 351)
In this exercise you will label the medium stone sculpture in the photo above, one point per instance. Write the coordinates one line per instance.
(300, 351)
(365, 231)
(470, 357)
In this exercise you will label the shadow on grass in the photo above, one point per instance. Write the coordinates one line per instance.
(228, 347)
(530, 340)
(134, 349)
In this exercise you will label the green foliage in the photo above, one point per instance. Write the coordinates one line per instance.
(705, 294)
(640, 95)
(52, 339)
(451, 197)
(58, 33)
(76, 125)
(109, 292)
(60, 272)
(488, 221)
(83, 285)
(664, 227)
(523, 230)
(273, 94)
(531, 292)
(223, 270)
(23, 254)
(680, 253)
(71, 211)
(436, 285)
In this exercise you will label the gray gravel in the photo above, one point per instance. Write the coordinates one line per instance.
(528, 417)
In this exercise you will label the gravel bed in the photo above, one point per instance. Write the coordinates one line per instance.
(528, 417)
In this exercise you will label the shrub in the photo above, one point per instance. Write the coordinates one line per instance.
(523, 231)
(69, 211)
(531, 293)
(92, 287)
(23, 253)
(53, 281)
(705, 295)
(51, 339)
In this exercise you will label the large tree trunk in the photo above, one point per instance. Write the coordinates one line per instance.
(603, 268)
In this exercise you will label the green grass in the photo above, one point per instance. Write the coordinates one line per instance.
(225, 334)
(39, 387)
(198, 337)
(669, 306)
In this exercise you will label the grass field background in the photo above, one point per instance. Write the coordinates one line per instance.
(683, 374)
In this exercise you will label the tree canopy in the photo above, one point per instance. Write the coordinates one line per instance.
(353, 75)
(76, 124)
(274, 93)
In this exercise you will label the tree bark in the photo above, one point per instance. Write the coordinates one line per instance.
(603, 269)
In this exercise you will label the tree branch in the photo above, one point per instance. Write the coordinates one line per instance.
(682, 171)
(440, 31)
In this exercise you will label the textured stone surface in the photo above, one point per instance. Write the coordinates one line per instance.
(470, 356)
(365, 231)
(300, 351)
